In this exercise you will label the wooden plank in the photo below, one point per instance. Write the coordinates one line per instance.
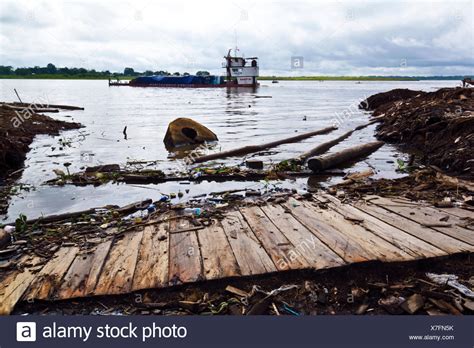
(363, 233)
(100, 255)
(280, 249)
(153, 264)
(442, 241)
(404, 241)
(15, 285)
(81, 278)
(117, 273)
(249, 252)
(459, 212)
(427, 215)
(347, 248)
(455, 211)
(50, 277)
(306, 244)
(185, 257)
(217, 256)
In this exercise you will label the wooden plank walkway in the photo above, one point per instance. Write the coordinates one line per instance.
(318, 234)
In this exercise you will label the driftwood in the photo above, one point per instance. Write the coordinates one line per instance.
(256, 148)
(34, 106)
(134, 206)
(446, 179)
(66, 216)
(321, 163)
(148, 178)
(324, 147)
(35, 109)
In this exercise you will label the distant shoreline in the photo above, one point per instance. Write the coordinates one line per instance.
(336, 78)
(261, 78)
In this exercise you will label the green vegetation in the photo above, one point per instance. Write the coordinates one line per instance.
(52, 72)
(339, 78)
(360, 78)
(66, 77)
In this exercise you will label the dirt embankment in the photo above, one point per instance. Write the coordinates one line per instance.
(17, 130)
(18, 126)
(437, 126)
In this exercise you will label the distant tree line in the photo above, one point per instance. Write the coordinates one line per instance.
(51, 69)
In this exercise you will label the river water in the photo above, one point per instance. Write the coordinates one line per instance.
(238, 118)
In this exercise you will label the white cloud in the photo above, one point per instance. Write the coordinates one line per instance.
(361, 37)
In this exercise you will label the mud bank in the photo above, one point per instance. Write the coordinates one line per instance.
(438, 127)
(17, 130)
(18, 127)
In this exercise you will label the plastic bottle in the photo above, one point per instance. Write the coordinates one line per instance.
(164, 198)
(193, 211)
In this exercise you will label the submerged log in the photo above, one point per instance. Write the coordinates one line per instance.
(256, 148)
(33, 109)
(321, 163)
(324, 147)
(66, 216)
(44, 105)
(105, 168)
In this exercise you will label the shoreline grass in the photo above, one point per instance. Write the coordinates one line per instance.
(261, 78)
(338, 78)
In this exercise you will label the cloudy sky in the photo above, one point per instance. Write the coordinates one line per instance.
(333, 37)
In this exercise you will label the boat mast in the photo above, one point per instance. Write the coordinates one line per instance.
(228, 61)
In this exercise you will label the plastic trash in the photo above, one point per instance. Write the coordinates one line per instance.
(9, 229)
(164, 198)
(139, 214)
(192, 211)
(151, 208)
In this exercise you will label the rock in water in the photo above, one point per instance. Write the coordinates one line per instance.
(184, 131)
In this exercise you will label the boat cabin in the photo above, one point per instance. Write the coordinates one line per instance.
(241, 71)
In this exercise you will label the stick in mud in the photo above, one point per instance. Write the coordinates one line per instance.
(255, 148)
(17, 95)
(321, 163)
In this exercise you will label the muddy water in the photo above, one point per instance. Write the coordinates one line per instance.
(238, 118)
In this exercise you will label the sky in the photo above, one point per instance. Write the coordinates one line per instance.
(332, 37)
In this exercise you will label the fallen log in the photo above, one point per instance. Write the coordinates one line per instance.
(33, 109)
(324, 147)
(160, 178)
(318, 164)
(256, 148)
(43, 105)
(66, 216)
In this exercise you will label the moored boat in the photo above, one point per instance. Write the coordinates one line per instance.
(240, 72)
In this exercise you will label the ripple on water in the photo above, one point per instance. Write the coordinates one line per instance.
(147, 111)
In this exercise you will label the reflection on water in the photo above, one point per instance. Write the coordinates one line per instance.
(238, 117)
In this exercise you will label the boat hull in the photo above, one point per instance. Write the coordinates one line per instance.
(192, 85)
